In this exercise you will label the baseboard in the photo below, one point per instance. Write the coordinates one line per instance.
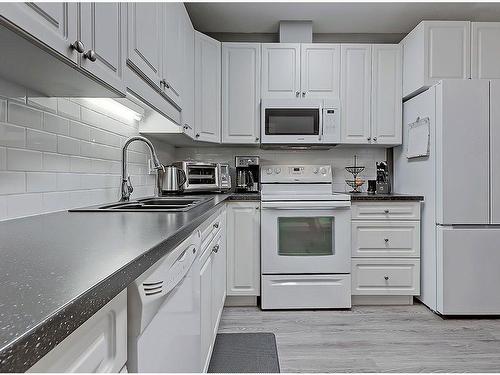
(241, 301)
(381, 300)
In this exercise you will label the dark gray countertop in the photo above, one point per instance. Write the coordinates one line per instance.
(385, 197)
(59, 269)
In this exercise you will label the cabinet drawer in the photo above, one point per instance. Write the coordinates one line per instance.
(305, 291)
(385, 238)
(210, 228)
(385, 276)
(386, 210)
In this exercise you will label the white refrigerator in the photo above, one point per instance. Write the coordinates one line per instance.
(460, 181)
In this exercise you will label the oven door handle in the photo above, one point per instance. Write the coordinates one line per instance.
(307, 205)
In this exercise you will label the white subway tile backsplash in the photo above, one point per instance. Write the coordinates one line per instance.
(37, 182)
(79, 130)
(24, 205)
(48, 104)
(106, 138)
(24, 116)
(3, 158)
(42, 141)
(12, 182)
(3, 110)
(68, 181)
(67, 145)
(55, 124)
(23, 160)
(13, 136)
(68, 109)
(56, 162)
(79, 164)
(56, 201)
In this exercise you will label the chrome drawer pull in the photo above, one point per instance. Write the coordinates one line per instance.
(386, 211)
(215, 248)
(386, 278)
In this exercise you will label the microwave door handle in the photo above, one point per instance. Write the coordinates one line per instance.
(321, 124)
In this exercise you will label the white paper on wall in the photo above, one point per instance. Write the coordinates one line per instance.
(418, 138)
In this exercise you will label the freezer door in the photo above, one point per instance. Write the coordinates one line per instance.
(462, 152)
(495, 151)
(468, 263)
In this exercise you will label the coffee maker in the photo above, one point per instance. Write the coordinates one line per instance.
(383, 181)
(247, 174)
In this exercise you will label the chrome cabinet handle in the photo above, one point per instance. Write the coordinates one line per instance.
(374, 139)
(186, 126)
(257, 139)
(369, 138)
(297, 93)
(91, 55)
(303, 94)
(386, 211)
(163, 82)
(216, 225)
(386, 240)
(386, 278)
(78, 46)
(197, 135)
(215, 249)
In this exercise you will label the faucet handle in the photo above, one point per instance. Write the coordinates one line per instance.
(130, 188)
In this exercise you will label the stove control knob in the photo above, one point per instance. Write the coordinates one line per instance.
(323, 171)
(269, 171)
(315, 170)
(277, 170)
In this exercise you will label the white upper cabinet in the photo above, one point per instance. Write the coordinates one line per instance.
(320, 70)
(187, 113)
(386, 100)
(485, 54)
(435, 50)
(144, 39)
(280, 70)
(102, 31)
(355, 85)
(241, 92)
(54, 24)
(207, 88)
(172, 55)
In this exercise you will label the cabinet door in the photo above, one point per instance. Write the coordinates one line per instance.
(243, 249)
(102, 30)
(386, 99)
(355, 93)
(447, 50)
(187, 113)
(53, 24)
(98, 345)
(280, 70)
(485, 48)
(495, 151)
(207, 88)
(144, 39)
(218, 281)
(241, 92)
(172, 55)
(320, 70)
(206, 311)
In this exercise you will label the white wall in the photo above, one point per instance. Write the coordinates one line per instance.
(339, 157)
(58, 153)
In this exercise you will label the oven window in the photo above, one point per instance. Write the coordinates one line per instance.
(292, 121)
(305, 236)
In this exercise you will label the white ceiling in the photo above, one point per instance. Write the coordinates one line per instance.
(257, 17)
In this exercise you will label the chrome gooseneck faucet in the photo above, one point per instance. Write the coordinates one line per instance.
(127, 187)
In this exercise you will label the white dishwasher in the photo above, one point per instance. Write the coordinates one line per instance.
(164, 314)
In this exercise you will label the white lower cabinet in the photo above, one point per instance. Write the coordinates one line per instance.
(98, 345)
(385, 252)
(212, 265)
(243, 249)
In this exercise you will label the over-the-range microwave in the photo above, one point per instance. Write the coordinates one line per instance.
(300, 121)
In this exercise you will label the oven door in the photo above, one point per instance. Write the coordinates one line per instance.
(292, 125)
(306, 237)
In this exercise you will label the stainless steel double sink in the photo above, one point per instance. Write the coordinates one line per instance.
(154, 204)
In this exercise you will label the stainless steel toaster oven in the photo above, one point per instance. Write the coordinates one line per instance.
(200, 176)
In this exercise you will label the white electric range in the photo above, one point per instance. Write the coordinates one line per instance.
(305, 239)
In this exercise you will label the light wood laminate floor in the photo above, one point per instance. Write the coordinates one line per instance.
(373, 339)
